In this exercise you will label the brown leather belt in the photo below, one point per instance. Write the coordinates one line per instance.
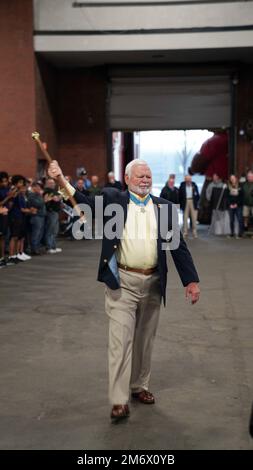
(147, 272)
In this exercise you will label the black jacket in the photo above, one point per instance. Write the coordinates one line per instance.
(171, 195)
(116, 185)
(181, 256)
(182, 195)
(232, 199)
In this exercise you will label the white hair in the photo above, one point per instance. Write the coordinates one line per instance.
(130, 165)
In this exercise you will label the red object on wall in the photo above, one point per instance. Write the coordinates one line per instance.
(215, 152)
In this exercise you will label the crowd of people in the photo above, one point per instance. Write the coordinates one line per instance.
(30, 212)
(230, 203)
(225, 202)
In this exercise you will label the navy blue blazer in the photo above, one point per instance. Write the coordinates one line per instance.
(108, 270)
(182, 195)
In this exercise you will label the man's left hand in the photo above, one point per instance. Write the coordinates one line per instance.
(192, 291)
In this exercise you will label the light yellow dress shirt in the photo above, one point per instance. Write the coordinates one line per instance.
(138, 246)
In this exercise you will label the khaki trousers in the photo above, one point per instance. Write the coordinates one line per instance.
(133, 312)
(190, 211)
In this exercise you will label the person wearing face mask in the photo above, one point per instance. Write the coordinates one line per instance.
(133, 267)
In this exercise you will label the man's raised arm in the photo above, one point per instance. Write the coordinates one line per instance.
(55, 171)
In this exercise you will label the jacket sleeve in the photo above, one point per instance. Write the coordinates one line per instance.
(184, 263)
(163, 194)
(181, 195)
(79, 197)
(83, 199)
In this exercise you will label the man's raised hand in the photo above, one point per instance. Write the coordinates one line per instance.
(54, 170)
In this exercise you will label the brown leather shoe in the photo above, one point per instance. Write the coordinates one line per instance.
(144, 397)
(119, 412)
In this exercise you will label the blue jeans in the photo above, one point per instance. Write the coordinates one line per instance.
(37, 228)
(237, 212)
(52, 229)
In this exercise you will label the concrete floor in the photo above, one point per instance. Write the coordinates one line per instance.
(53, 342)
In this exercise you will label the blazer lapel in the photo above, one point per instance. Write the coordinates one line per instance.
(157, 214)
(125, 201)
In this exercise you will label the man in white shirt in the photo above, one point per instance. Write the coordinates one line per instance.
(188, 199)
(133, 267)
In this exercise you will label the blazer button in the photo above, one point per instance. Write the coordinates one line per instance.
(115, 246)
(105, 260)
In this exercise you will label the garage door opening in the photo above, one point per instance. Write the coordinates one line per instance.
(169, 152)
(164, 119)
(165, 152)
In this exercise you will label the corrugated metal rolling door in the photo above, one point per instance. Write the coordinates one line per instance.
(159, 103)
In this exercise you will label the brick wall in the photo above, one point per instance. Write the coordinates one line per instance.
(67, 107)
(17, 88)
(46, 106)
(81, 121)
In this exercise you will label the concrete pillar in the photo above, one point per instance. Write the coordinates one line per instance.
(244, 115)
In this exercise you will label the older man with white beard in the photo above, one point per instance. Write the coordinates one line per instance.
(133, 267)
